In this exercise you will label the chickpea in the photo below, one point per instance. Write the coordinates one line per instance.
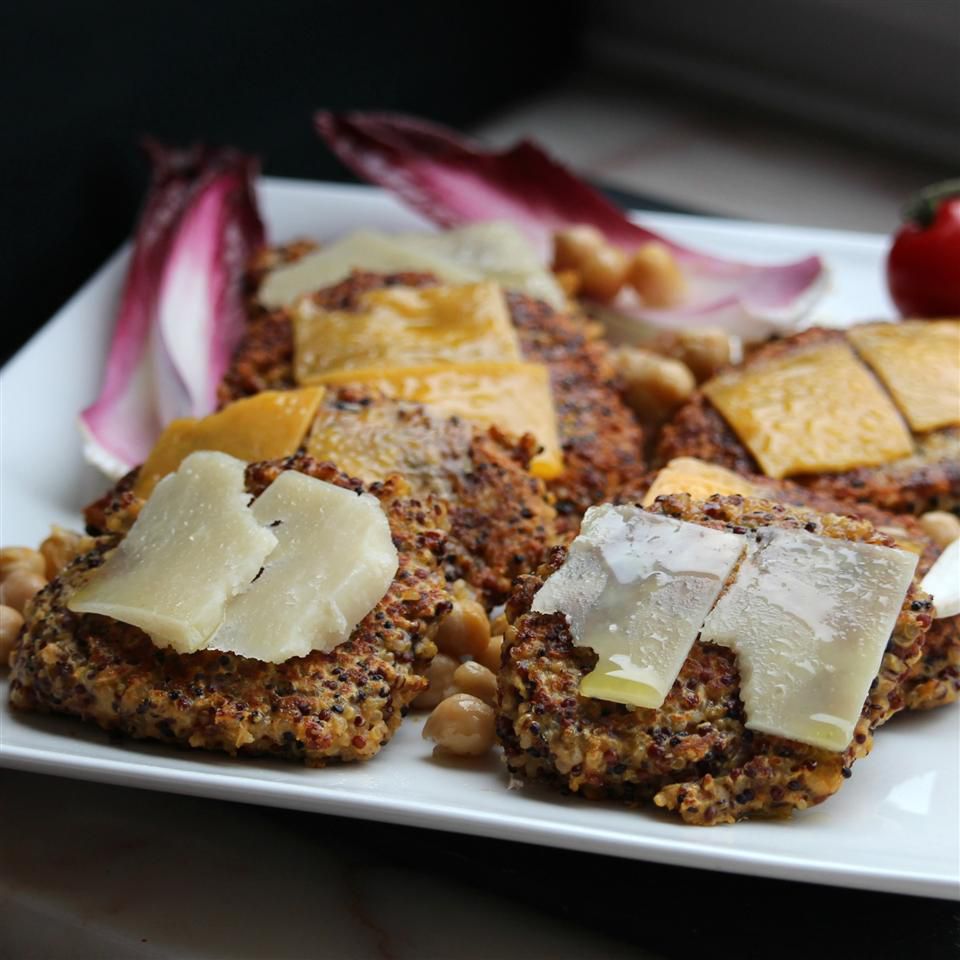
(569, 281)
(654, 273)
(440, 674)
(16, 558)
(705, 351)
(465, 630)
(654, 386)
(603, 273)
(19, 587)
(10, 623)
(461, 725)
(490, 657)
(573, 246)
(61, 547)
(474, 678)
(941, 527)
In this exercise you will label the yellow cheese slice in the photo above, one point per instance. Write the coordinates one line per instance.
(374, 441)
(919, 363)
(194, 545)
(698, 478)
(809, 618)
(267, 426)
(513, 396)
(812, 411)
(333, 562)
(404, 327)
(636, 588)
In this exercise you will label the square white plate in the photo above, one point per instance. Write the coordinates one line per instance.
(893, 827)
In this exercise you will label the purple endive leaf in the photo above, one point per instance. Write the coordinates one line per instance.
(453, 181)
(181, 308)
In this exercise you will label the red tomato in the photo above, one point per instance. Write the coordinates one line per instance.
(923, 267)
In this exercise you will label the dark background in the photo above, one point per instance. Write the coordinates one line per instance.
(83, 82)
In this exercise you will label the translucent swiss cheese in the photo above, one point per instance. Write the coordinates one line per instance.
(701, 480)
(811, 411)
(809, 618)
(513, 396)
(492, 251)
(267, 426)
(636, 588)
(333, 562)
(404, 327)
(919, 363)
(195, 544)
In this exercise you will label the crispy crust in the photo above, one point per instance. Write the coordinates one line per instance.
(693, 756)
(927, 480)
(344, 705)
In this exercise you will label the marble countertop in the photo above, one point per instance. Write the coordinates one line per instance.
(88, 870)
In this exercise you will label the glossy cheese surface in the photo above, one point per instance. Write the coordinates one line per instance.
(404, 327)
(918, 361)
(698, 478)
(194, 545)
(809, 618)
(266, 426)
(812, 411)
(333, 562)
(636, 588)
(513, 396)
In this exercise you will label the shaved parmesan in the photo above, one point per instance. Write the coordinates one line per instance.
(194, 545)
(809, 618)
(636, 588)
(333, 562)
(699, 479)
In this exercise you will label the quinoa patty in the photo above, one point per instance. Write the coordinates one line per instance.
(693, 755)
(343, 705)
(929, 479)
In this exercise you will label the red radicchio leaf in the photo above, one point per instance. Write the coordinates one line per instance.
(453, 181)
(181, 311)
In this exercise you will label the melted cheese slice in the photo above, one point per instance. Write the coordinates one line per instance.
(809, 618)
(513, 396)
(493, 251)
(404, 327)
(636, 588)
(374, 441)
(919, 363)
(333, 562)
(699, 479)
(811, 411)
(267, 426)
(195, 544)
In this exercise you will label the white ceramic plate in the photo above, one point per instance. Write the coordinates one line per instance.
(893, 827)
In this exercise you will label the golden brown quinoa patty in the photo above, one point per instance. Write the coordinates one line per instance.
(601, 439)
(927, 480)
(693, 755)
(343, 705)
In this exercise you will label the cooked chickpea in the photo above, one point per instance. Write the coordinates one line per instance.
(653, 386)
(19, 587)
(569, 281)
(10, 623)
(461, 725)
(654, 273)
(941, 527)
(440, 675)
(705, 351)
(465, 630)
(573, 246)
(603, 273)
(20, 558)
(474, 678)
(60, 548)
(490, 657)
